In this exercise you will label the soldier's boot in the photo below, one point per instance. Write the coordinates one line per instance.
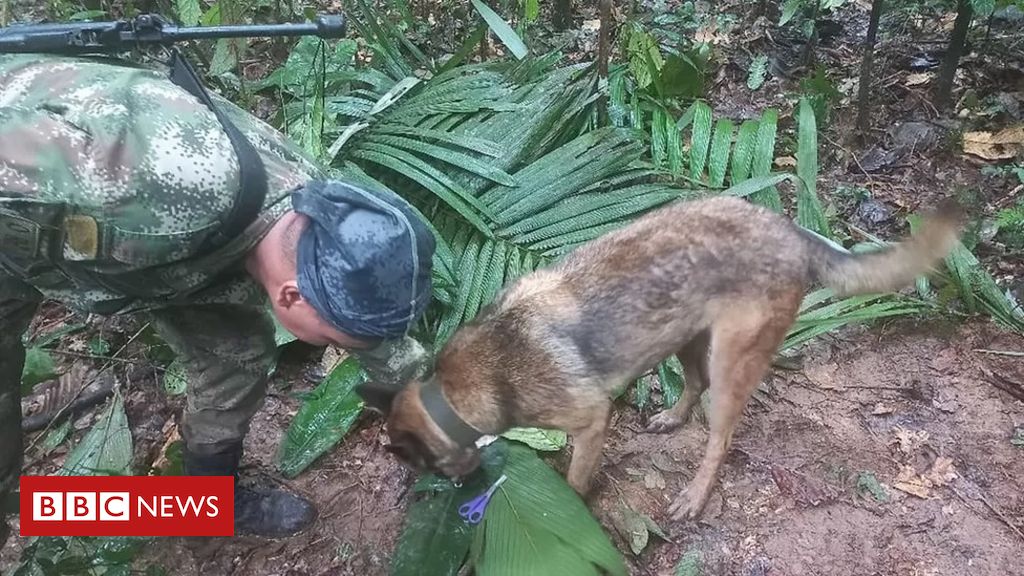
(269, 512)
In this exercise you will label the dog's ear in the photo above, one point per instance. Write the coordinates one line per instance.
(377, 396)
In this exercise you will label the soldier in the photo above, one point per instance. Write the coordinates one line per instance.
(116, 189)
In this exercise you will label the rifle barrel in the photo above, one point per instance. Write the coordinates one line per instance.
(324, 27)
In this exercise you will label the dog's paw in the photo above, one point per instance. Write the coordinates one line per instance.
(685, 507)
(664, 422)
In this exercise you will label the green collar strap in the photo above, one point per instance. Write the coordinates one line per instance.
(442, 413)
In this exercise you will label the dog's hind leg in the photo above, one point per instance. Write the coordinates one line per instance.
(694, 358)
(587, 447)
(743, 343)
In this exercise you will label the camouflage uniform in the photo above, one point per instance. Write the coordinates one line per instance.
(124, 175)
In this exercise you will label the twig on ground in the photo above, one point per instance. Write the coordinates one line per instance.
(84, 386)
(1002, 517)
(1000, 352)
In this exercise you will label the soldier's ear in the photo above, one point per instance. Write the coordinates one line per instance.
(377, 397)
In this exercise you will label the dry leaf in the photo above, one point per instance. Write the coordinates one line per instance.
(1002, 145)
(908, 481)
(882, 409)
(910, 440)
(785, 162)
(591, 25)
(942, 472)
(919, 78)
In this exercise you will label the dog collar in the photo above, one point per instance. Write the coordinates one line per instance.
(441, 411)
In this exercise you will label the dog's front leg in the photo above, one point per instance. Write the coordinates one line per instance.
(588, 444)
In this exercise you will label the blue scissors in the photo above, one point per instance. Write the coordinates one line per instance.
(473, 511)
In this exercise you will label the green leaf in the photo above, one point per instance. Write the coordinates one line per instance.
(106, 449)
(761, 163)
(98, 346)
(689, 564)
(789, 10)
(866, 482)
(746, 141)
(701, 140)
(809, 212)
(671, 380)
(983, 8)
(435, 539)
(176, 378)
(56, 436)
(189, 11)
(532, 10)
(758, 72)
(633, 528)
(756, 184)
(538, 439)
(52, 337)
(536, 524)
(323, 419)
(501, 28)
(681, 77)
(39, 367)
(721, 142)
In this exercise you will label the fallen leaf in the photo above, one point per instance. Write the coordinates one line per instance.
(633, 529)
(882, 409)
(919, 78)
(866, 481)
(910, 440)
(1002, 145)
(591, 25)
(665, 463)
(785, 162)
(914, 488)
(942, 472)
(653, 479)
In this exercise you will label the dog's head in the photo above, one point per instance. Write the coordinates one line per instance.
(419, 443)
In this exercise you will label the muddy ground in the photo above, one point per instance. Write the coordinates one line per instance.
(895, 403)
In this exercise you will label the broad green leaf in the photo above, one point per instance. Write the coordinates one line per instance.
(189, 11)
(671, 380)
(323, 419)
(659, 136)
(701, 140)
(809, 212)
(435, 539)
(501, 28)
(176, 378)
(536, 524)
(689, 564)
(746, 140)
(106, 450)
(39, 367)
(53, 336)
(532, 10)
(56, 436)
(721, 142)
(789, 9)
(538, 439)
(756, 184)
(761, 162)
(681, 77)
(983, 8)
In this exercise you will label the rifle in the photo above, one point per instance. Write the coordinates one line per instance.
(151, 30)
(79, 38)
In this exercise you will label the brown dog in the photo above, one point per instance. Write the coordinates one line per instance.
(718, 282)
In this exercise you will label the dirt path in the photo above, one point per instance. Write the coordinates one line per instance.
(866, 404)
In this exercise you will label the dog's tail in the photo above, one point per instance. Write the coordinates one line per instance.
(892, 267)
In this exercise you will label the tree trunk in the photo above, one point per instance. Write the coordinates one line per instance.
(951, 61)
(864, 91)
(603, 50)
(563, 14)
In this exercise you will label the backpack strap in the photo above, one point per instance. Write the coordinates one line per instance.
(252, 175)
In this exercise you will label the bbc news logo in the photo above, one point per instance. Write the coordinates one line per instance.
(127, 506)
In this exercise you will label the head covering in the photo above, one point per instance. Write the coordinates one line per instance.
(364, 261)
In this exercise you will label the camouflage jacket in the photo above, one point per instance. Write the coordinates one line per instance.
(124, 175)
